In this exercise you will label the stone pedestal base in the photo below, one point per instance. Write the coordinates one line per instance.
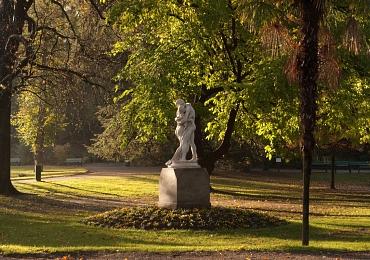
(184, 188)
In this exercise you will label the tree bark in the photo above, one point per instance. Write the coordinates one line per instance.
(6, 187)
(208, 159)
(13, 15)
(307, 62)
(40, 137)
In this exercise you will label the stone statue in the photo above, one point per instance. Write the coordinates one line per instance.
(185, 119)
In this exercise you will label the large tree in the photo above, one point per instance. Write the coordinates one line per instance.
(310, 58)
(307, 67)
(22, 48)
(13, 18)
(313, 65)
(202, 51)
(38, 121)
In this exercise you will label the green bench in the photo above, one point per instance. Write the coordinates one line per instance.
(342, 165)
(74, 161)
(15, 161)
(359, 165)
(321, 166)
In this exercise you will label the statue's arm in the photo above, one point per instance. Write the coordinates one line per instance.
(188, 111)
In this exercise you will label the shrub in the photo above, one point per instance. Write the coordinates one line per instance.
(158, 218)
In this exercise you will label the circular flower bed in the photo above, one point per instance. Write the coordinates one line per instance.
(158, 218)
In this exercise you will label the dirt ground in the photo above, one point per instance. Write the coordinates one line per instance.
(245, 255)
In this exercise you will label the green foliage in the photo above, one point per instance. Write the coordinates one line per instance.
(34, 119)
(133, 132)
(179, 50)
(157, 218)
(184, 49)
(345, 112)
(71, 71)
(270, 109)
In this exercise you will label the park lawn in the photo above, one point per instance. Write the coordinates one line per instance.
(47, 219)
(27, 171)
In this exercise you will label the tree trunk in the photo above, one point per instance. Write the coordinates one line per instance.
(307, 62)
(6, 186)
(12, 19)
(208, 159)
(40, 137)
(332, 179)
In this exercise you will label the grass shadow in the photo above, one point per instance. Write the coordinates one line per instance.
(68, 234)
(273, 197)
(80, 189)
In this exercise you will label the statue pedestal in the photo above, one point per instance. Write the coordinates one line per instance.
(184, 188)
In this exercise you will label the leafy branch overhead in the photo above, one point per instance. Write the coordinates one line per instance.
(236, 60)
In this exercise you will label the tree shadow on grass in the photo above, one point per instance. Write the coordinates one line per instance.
(52, 200)
(54, 190)
(95, 193)
(43, 204)
(253, 196)
(292, 231)
(145, 178)
(75, 234)
(80, 189)
(317, 214)
(271, 197)
(45, 231)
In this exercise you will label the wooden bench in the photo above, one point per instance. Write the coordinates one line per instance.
(15, 161)
(321, 166)
(359, 165)
(74, 161)
(339, 165)
(342, 165)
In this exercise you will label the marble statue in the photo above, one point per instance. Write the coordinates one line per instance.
(185, 120)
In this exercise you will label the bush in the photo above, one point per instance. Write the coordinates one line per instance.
(158, 218)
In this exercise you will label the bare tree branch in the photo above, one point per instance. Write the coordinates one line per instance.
(96, 8)
(55, 31)
(66, 16)
(69, 71)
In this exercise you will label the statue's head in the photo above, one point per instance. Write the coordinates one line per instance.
(180, 102)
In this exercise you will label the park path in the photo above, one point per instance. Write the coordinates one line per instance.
(118, 170)
(215, 255)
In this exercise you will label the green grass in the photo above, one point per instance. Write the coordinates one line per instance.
(27, 172)
(48, 217)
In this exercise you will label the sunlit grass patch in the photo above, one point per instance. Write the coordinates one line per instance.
(27, 172)
(98, 186)
(47, 218)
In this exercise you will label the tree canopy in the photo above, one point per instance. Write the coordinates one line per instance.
(226, 55)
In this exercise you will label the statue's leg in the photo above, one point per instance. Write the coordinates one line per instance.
(177, 155)
(184, 151)
(184, 145)
(193, 148)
